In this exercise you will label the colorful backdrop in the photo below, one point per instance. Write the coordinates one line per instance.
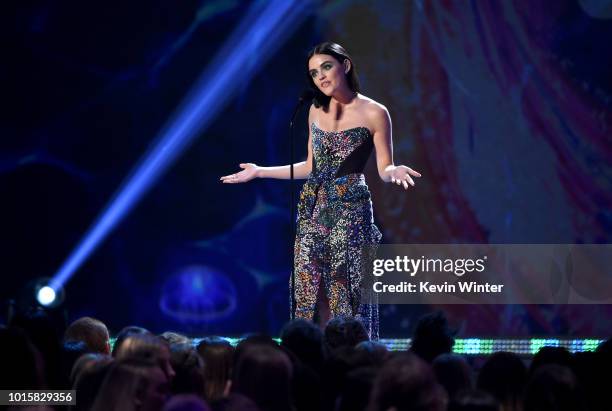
(504, 106)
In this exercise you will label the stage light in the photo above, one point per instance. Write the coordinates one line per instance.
(265, 27)
(39, 292)
(45, 296)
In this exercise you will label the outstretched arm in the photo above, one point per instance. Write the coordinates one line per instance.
(300, 170)
(250, 171)
(383, 142)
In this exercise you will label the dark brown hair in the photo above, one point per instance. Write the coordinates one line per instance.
(217, 354)
(340, 54)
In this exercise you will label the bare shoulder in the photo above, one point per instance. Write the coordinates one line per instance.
(311, 110)
(375, 113)
(313, 113)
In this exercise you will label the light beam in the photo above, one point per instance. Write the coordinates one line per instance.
(265, 27)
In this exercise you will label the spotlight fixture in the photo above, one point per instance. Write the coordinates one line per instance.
(46, 294)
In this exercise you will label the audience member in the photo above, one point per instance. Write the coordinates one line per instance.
(454, 373)
(550, 355)
(88, 382)
(344, 332)
(133, 384)
(376, 352)
(263, 373)
(85, 362)
(304, 339)
(503, 375)
(71, 352)
(189, 369)
(338, 369)
(405, 383)
(128, 332)
(172, 337)
(553, 387)
(147, 347)
(432, 336)
(92, 332)
(217, 354)
(355, 393)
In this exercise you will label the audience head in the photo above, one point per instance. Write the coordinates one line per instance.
(376, 352)
(92, 332)
(356, 389)
(133, 385)
(189, 369)
(171, 337)
(263, 373)
(128, 332)
(453, 373)
(344, 332)
(72, 351)
(304, 339)
(88, 381)
(146, 347)
(86, 362)
(503, 375)
(432, 336)
(405, 383)
(217, 354)
(254, 340)
(550, 355)
(552, 387)
(340, 363)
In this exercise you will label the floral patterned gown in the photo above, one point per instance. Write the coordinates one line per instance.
(334, 222)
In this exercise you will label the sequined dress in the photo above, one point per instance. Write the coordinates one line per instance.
(334, 222)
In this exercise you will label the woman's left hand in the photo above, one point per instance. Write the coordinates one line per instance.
(401, 175)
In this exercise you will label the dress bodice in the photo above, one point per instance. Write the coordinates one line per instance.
(339, 158)
(338, 153)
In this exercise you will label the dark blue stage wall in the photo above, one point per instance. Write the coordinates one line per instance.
(504, 106)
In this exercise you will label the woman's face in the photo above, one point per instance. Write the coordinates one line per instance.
(327, 73)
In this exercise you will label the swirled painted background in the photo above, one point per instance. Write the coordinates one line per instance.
(504, 106)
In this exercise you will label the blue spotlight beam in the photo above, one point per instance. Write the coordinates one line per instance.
(265, 27)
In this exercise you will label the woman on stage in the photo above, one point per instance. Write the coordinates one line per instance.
(335, 218)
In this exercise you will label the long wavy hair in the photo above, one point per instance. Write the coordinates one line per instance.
(126, 382)
(217, 354)
(340, 54)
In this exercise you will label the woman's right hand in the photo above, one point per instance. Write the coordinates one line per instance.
(248, 173)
